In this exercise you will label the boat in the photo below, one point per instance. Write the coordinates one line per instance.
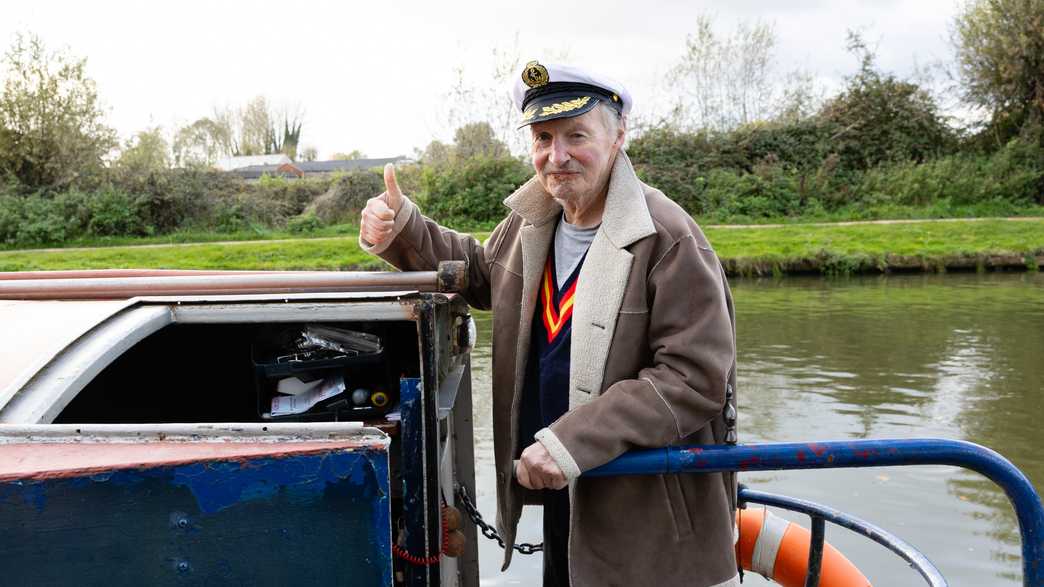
(199, 427)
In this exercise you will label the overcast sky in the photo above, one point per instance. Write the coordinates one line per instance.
(373, 76)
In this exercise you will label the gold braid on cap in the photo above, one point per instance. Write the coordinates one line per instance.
(565, 106)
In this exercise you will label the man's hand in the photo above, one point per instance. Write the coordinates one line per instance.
(378, 217)
(537, 470)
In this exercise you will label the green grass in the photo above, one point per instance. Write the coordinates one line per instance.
(936, 210)
(192, 236)
(847, 249)
(326, 254)
(827, 249)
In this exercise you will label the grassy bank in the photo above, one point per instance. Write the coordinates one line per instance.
(862, 248)
(198, 236)
(760, 250)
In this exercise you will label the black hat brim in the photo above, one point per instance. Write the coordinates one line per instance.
(557, 105)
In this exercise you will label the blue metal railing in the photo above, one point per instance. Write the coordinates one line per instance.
(856, 453)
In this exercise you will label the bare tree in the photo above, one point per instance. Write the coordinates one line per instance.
(800, 97)
(202, 143)
(477, 97)
(256, 128)
(725, 81)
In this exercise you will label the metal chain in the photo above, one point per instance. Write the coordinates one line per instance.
(489, 531)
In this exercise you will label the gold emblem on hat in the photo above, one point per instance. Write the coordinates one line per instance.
(535, 75)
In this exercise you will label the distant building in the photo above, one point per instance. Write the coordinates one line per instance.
(301, 169)
(233, 163)
(287, 170)
(326, 167)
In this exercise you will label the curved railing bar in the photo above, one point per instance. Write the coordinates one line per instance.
(906, 551)
(856, 453)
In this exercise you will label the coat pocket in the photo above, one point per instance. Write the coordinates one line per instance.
(676, 506)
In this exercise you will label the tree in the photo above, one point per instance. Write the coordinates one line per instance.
(476, 139)
(725, 82)
(309, 153)
(354, 155)
(145, 152)
(437, 153)
(1000, 58)
(291, 135)
(202, 143)
(52, 129)
(256, 128)
(471, 141)
(481, 98)
(799, 99)
(879, 117)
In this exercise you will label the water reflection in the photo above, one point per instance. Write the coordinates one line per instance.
(955, 356)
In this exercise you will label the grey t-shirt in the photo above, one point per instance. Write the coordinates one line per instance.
(570, 245)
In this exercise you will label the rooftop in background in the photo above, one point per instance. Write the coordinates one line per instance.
(230, 163)
(344, 164)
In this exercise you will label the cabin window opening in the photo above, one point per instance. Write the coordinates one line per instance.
(189, 373)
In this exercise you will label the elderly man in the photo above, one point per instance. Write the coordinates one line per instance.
(613, 330)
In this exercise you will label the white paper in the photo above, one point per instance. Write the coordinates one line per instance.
(294, 386)
(295, 404)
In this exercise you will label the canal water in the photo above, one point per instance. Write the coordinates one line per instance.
(950, 356)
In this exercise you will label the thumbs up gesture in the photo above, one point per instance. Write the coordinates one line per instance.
(378, 217)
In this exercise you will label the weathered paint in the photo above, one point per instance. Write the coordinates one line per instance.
(417, 512)
(113, 288)
(857, 453)
(320, 518)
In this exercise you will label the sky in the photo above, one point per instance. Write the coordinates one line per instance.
(376, 76)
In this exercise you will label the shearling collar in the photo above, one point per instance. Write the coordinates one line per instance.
(626, 218)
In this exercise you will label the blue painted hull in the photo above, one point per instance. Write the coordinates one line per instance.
(320, 519)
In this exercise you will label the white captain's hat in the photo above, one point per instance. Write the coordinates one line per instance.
(547, 92)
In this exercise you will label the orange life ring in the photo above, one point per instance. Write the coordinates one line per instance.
(778, 550)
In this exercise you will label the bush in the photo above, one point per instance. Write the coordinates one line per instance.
(307, 222)
(10, 217)
(1013, 174)
(34, 220)
(471, 192)
(346, 198)
(674, 162)
(177, 198)
(111, 212)
(679, 163)
(770, 193)
(290, 196)
(879, 118)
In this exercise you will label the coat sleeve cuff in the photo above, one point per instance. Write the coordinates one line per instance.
(558, 452)
(401, 218)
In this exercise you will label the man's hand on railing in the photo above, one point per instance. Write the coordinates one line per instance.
(536, 469)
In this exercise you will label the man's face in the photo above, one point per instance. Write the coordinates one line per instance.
(574, 156)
